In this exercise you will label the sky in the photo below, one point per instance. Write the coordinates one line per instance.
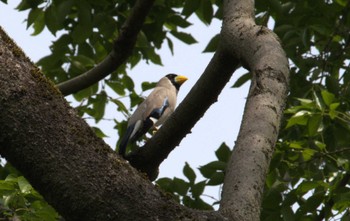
(219, 124)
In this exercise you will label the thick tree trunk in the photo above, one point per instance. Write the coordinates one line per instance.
(60, 155)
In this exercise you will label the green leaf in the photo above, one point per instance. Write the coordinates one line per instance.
(99, 132)
(120, 105)
(87, 92)
(216, 179)
(51, 19)
(190, 7)
(334, 106)
(313, 202)
(287, 213)
(135, 99)
(84, 61)
(276, 6)
(327, 97)
(77, 66)
(332, 110)
(142, 40)
(306, 186)
(99, 105)
(296, 145)
(196, 203)
(165, 184)
(63, 10)
(342, 200)
(223, 153)
(209, 169)
(287, 7)
(205, 11)
(307, 103)
(148, 85)
(317, 99)
(117, 87)
(320, 145)
(305, 37)
(86, 50)
(178, 21)
(341, 162)
(170, 45)
(242, 80)
(43, 211)
(198, 189)
(180, 186)
(12, 177)
(128, 82)
(213, 44)
(27, 4)
(153, 56)
(23, 184)
(184, 37)
(299, 118)
(321, 29)
(33, 16)
(342, 2)
(39, 23)
(6, 186)
(83, 28)
(313, 124)
(308, 154)
(189, 173)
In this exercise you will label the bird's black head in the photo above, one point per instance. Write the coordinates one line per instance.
(176, 80)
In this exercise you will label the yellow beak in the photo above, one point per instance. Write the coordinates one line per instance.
(180, 79)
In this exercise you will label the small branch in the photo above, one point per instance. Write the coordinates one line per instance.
(123, 47)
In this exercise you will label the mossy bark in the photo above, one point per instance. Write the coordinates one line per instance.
(75, 171)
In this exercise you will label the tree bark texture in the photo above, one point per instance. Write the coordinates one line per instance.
(259, 51)
(76, 172)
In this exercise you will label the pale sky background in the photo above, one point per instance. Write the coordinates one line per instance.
(220, 123)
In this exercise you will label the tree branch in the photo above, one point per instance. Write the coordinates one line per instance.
(260, 51)
(60, 155)
(123, 47)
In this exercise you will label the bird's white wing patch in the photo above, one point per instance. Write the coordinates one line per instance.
(137, 127)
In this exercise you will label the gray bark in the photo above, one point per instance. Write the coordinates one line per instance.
(261, 53)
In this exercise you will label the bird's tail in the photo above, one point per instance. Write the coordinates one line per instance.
(124, 142)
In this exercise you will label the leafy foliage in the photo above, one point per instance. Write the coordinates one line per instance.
(19, 201)
(189, 192)
(309, 173)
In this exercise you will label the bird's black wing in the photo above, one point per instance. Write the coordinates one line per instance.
(125, 139)
(150, 120)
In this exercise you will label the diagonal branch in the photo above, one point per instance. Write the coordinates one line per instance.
(64, 160)
(203, 94)
(123, 47)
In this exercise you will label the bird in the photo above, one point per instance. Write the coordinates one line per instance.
(154, 110)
